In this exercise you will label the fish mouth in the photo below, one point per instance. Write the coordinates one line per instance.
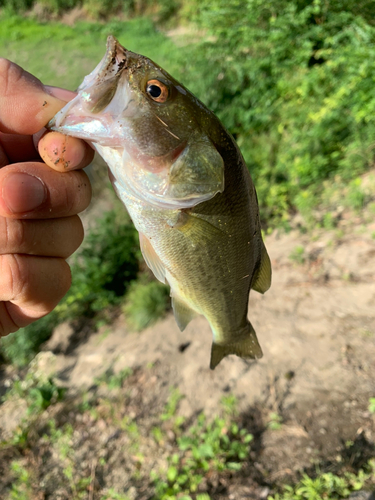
(80, 117)
(112, 64)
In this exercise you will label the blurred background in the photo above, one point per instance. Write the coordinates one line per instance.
(104, 398)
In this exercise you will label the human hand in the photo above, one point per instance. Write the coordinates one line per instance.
(39, 202)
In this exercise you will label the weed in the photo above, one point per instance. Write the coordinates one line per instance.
(22, 485)
(171, 407)
(327, 486)
(39, 392)
(371, 406)
(145, 303)
(275, 421)
(204, 448)
(229, 404)
(112, 380)
(112, 494)
(298, 255)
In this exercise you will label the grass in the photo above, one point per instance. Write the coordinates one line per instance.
(62, 55)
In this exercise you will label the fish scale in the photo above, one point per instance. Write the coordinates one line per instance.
(186, 187)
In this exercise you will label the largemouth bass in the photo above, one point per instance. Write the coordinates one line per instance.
(187, 189)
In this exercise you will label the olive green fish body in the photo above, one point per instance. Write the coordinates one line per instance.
(186, 187)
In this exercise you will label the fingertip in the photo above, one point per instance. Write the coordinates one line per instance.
(63, 94)
(64, 153)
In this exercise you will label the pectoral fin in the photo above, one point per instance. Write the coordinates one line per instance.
(151, 258)
(198, 173)
(196, 229)
(182, 313)
(247, 347)
(262, 281)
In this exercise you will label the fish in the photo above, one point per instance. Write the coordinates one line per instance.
(186, 186)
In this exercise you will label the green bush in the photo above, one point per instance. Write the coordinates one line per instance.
(293, 82)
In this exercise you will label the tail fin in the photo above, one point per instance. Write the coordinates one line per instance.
(247, 347)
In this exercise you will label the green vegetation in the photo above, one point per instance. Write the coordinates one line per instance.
(170, 458)
(292, 80)
(193, 453)
(327, 486)
(114, 380)
(215, 446)
(298, 255)
(62, 55)
(145, 303)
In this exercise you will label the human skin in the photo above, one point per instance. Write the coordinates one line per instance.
(42, 189)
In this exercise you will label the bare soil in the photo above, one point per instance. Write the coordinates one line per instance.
(316, 326)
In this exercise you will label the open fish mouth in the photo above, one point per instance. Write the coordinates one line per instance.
(90, 114)
(110, 67)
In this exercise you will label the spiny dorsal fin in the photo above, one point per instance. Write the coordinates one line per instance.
(263, 280)
(246, 347)
(182, 313)
(151, 259)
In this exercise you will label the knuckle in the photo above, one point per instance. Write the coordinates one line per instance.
(12, 235)
(14, 276)
(7, 323)
(10, 73)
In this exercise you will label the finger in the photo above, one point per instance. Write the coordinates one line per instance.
(49, 238)
(63, 153)
(3, 157)
(18, 148)
(25, 104)
(32, 287)
(33, 190)
(63, 94)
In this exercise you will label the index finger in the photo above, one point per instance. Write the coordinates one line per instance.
(26, 105)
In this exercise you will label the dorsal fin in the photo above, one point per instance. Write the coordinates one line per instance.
(262, 281)
(151, 258)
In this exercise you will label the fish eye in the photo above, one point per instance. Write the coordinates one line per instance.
(157, 90)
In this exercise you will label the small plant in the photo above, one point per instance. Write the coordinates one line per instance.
(39, 392)
(145, 303)
(172, 405)
(275, 421)
(21, 486)
(327, 486)
(229, 404)
(112, 494)
(371, 406)
(298, 255)
(114, 380)
(203, 448)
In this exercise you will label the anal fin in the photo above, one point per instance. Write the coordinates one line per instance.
(262, 281)
(151, 258)
(246, 347)
(182, 313)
